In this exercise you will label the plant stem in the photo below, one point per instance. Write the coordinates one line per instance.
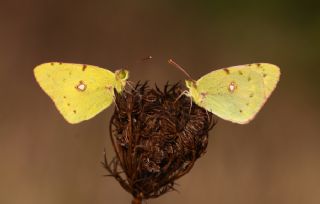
(137, 200)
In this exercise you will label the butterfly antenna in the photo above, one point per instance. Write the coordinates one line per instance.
(170, 61)
(139, 61)
(146, 58)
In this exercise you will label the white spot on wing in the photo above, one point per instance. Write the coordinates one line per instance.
(81, 86)
(232, 87)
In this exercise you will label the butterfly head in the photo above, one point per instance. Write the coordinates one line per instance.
(121, 79)
(192, 86)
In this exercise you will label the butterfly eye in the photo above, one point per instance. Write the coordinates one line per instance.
(122, 74)
(190, 83)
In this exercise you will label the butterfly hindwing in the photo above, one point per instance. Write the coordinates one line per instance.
(78, 91)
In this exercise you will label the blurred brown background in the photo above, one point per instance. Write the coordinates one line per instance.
(274, 159)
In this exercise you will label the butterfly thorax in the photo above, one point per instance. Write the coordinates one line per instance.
(121, 77)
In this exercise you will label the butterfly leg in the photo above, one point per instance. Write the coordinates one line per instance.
(185, 92)
(115, 103)
(190, 104)
(130, 83)
(207, 112)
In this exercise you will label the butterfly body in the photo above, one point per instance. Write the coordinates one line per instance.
(235, 93)
(79, 91)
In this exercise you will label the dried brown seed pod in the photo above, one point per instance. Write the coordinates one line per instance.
(157, 137)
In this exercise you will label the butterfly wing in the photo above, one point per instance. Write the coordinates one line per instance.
(237, 93)
(78, 91)
(270, 74)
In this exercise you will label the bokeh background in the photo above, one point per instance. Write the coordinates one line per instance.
(274, 159)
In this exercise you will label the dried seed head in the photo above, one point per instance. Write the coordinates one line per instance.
(157, 138)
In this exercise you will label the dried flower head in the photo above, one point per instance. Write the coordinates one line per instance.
(157, 137)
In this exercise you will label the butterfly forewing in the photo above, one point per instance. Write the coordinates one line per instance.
(270, 74)
(78, 91)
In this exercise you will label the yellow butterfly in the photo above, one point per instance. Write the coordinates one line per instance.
(235, 93)
(79, 91)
